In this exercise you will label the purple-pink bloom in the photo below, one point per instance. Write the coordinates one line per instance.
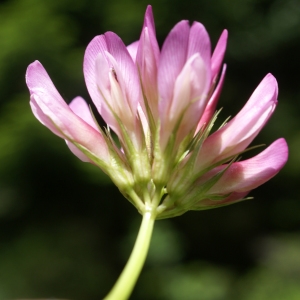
(161, 106)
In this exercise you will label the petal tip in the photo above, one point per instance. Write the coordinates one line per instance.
(34, 65)
(35, 75)
(149, 9)
(224, 34)
(283, 149)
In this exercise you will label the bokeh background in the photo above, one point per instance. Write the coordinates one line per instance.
(65, 230)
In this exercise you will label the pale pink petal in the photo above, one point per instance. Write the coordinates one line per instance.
(97, 69)
(247, 175)
(144, 123)
(82, 110)
(235, 136)
(119, 103)
(44, 119)
(77, 152)
(54, 113)
(190, 95)
(190, 86)
(172, 59)
(147, 66)
(218, 55)
(104, 74)
(147, 62)
(113, 81)
(212, 104)
(126, 74)
(127, 77)
(132, 49)
(102, 69)
(199, 42)
(149, 23)
(149, 19)
(95, 48)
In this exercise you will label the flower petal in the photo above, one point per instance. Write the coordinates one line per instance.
(199, 42)
(218, 55)
(116, 103)
(147, 62)
(82, 110)
(189, 86)
(212, 103)
(96, 46)
(150, 25)
(190, 95)
(127, 71)
(132, 49)
(172, 60)
(247, 175)
(49, 107)
(237, 134)
(106, 54)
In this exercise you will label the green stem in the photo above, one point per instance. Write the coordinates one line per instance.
(128, 278)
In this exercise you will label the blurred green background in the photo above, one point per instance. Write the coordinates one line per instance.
(66, 232)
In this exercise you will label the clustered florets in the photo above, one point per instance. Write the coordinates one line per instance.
(160, 105)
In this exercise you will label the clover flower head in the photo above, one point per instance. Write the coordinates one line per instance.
(160, 104)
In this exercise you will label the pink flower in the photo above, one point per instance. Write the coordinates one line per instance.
(161, 106)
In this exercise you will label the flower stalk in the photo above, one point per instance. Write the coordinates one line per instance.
(128, 278)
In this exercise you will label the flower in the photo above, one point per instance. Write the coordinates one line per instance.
(161, 105)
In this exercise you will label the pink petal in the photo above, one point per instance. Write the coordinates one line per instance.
(127, 69)
(172, 60)
(132, 49)
(212, 104)
(44, 119)
(218, 55)
(82, 110)
(77, 152)
(96, 46)
(247, 175)
(149, 19)
(110, 49)
(149, 23)
(96, 72)
(49, 107)
(114, 91)
(199, 42)
(191, 85)
(147, 62)
(235, 136)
